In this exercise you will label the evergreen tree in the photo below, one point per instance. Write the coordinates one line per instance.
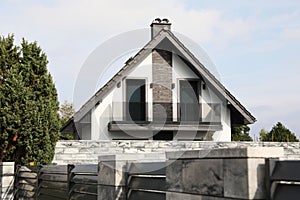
(279, 133)
(29, 121)
(240, 133)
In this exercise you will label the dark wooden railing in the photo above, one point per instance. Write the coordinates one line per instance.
(147, 181)
(283, 179)
(56, 182)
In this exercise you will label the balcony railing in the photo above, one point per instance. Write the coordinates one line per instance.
(169, 112)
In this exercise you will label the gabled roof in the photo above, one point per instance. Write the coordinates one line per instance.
(142, 54)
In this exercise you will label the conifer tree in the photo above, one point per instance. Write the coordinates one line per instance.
(278, 133)
(29, 121)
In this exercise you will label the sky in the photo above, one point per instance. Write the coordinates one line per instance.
(254, 45)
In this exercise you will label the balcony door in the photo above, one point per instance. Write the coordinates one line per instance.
(189, 100)
(135, 100)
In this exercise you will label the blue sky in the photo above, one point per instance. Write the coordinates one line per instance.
(253, 44)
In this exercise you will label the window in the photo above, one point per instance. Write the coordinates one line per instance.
(135, 100)
(189, 100)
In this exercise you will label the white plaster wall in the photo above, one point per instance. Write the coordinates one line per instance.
(225, 134)
(144, 71)
(209, 96)
(111, 107)
(180, 71)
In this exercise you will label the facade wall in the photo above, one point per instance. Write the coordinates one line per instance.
(111, 108)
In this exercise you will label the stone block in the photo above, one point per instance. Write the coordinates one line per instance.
(143, 150)
(123, 144)
(130, 150)
(136, 144)
(59, 150)
(86, 150)
(151, 144)
(190, 145)
(236, 178)
(163, 144)
(71, 150)
(196, 176)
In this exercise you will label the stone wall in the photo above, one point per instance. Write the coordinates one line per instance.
(7, 180)
(162, 83)
(87, 151)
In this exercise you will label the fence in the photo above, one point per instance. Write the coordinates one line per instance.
(56, 182)
(283, 179)
(187, 175)
(145, 183)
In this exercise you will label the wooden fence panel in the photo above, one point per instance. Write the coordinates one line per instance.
(26, 182)
(147, 181)
(283, 179)
(53, 182)
(83, 181)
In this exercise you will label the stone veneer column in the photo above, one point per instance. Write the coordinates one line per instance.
(162, 84)
(237, 173)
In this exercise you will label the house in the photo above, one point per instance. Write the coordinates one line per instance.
(162, 93)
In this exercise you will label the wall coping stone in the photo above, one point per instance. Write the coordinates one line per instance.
(246, 152)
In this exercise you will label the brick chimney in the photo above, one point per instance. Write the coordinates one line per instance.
(159, 24)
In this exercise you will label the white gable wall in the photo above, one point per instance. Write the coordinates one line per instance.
(111, 107)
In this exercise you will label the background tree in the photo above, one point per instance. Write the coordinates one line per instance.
(66, 111)
(240, 133)
(279, 133)
(29, 121)
(263, 135)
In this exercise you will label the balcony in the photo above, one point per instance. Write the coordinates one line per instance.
(136, 116)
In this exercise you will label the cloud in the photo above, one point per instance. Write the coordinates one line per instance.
(291, 34)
